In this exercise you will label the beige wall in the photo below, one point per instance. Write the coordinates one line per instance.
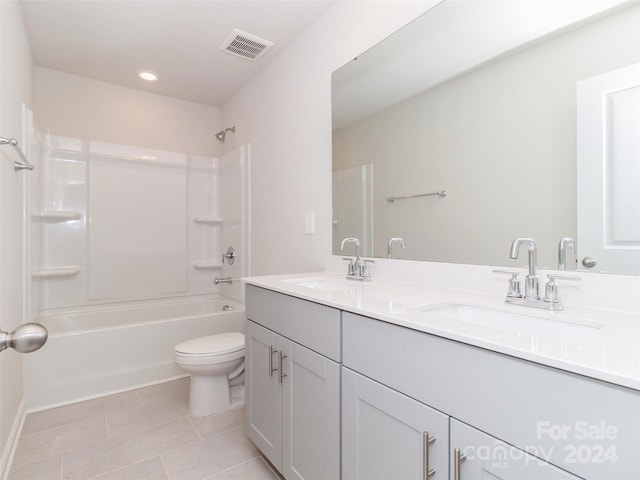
(500, 140)
(79, 107)
(15, 89)
(285, 113)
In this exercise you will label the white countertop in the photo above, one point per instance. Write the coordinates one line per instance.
(600, 344)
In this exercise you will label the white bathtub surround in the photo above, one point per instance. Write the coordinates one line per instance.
(102, 349)
(606, 349)
(234, 175)
(159, 233)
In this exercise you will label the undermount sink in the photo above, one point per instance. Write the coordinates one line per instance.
(324, 284)
(538, 325)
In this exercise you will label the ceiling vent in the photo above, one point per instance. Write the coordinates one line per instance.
(244, 45)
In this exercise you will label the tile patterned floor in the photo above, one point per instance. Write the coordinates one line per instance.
(142, 434)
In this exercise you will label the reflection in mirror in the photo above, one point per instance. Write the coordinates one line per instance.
(491, 116)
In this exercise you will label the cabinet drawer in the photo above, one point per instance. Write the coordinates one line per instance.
(315, 326)
(572, 419)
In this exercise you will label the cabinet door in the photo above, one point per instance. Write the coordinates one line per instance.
(263, 392)
(487, 457)
(311, 415)
(384, 434)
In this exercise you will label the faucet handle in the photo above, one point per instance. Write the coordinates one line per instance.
(551, 288)
(351, 268)
(554, 276)
(514, 282)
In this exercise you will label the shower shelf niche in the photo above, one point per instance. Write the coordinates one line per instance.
(58, 215)
(208, 220)
(207, 265)
(65, 271)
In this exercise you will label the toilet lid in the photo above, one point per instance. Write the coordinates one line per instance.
(213, 344)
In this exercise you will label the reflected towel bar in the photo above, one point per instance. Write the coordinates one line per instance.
(441, 193)
(17, 165)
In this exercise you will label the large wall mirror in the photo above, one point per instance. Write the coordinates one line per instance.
(484, 121)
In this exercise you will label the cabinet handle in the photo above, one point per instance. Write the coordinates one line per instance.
(458, 458)
(281, 375)
(271, 352)
(426, 441)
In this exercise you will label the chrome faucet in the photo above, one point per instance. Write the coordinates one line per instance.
(219, 280)
(531, 297)
(391, 241)
(532, 282)
(358, 268)
(567, 244)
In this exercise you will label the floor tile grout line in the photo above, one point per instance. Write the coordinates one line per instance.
(212, 477)
(106, 426)
(115, 439)
(194, 427)
(164, 465)
(197, 441)
(69, 449)
(62, 425)
(123, 467)
(81, 419)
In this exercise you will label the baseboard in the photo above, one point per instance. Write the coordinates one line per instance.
(12, 442)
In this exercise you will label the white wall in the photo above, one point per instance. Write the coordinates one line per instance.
(15, 89)
(500, 140)
(73, 106)
(285, 113)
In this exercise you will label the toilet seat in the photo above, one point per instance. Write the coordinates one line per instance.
(212, 345)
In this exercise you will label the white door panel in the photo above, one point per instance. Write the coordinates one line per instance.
(609, 170)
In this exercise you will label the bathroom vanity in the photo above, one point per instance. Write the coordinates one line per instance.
(390, 380)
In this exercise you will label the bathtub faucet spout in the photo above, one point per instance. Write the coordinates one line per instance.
(222, 280)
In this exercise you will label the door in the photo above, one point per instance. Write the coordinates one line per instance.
(387, 435)
(353, 207)
(487, 457)
(263, 392)
(311, 411)
(608, 149)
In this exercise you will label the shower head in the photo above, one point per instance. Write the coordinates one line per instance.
(223, 133)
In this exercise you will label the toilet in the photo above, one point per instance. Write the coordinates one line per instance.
(214, 362)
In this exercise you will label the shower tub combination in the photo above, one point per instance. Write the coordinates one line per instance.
(97, 350)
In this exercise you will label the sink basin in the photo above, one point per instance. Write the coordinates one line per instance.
(364, 295)
(543, 324)
(324, 284)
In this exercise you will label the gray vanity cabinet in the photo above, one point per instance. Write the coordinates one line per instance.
(292, 410)
(588, 428)
(264, 393)
(387, 435)
(480, 456)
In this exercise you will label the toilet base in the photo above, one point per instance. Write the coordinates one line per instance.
(208, 395)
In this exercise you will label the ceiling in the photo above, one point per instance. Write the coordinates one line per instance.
(110, 40)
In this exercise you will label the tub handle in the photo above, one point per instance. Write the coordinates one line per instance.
(27, 338)
(229, 256)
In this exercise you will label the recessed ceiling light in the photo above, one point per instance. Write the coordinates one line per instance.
(148, 75)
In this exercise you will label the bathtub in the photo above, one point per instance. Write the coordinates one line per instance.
(97, 350)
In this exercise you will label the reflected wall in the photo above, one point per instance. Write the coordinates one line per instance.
(501, 140)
